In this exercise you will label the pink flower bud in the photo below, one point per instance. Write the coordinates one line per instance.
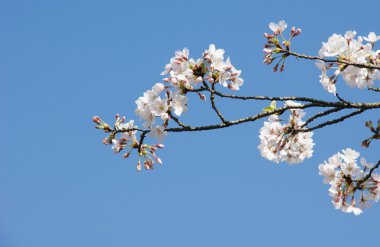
(96, 119)
(126, 155)
(202, 96)
(160, 145)
(268, 51)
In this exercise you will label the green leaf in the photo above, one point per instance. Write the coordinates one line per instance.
(271, 107)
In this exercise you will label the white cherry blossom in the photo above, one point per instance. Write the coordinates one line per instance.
(179, 104)
(158, 132)
(278, 27)
(347, 186)
(279, 144)
(335, 45)
(372, 37)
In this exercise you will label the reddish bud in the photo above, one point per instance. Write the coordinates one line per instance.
(202, 96)
(126, 155)
(275, 68)
(96, 119)
(366, 143)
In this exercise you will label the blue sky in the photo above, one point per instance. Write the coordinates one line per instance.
(62, 62)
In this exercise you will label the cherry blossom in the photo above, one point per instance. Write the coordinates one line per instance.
(372, 37)
(282, 142)
(353, 185)
(353, 50)
(278, 27)
(350, 191)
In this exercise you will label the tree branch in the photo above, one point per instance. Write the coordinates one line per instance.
(177, 120)
(321, 114)
(212, 99)
(334, 121)
(376, 89)
(359, 65)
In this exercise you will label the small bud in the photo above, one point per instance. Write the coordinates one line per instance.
(96, 119)
(366, 143)
(159, 160)
(146, 165)
(138, 167)
(267, 50)
(275, 68)
(295, 31)
(199, 79)
(105, 141)
(369, 125)
(202, 96)
(286, 43)
(126, 155)
(159, 145)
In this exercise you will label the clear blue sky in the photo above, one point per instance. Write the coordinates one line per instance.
(61, 62)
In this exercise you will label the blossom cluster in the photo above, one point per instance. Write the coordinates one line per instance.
(352, 187)
(151, 106)
(349, 49)
(185, 73)
(277, 49)
(157, 106)
(123, 138)
(283, 141)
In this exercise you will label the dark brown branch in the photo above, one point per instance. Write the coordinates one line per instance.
(321, 114)
(334, 121)
(358, 65)
(341, 99)
(363, 180)
(142, 136)
(212, 99)
(177, 120)
(376, 89)
(240, 121)
(296, 98)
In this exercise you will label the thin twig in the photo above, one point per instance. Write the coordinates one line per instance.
(240, 121)
(142, 136)
(212, 99)
(334, 121)
(376, 89)
(358, 65)
(321, 114)
(341, 99)
(177, 120)
(359, 184)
